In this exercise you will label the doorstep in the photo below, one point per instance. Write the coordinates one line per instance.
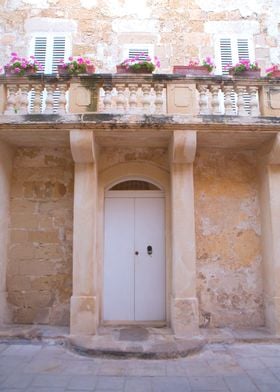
(134, 341)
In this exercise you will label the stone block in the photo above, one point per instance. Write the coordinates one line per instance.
(83, 97)
(184, 316)
(181, 99)
(84, 315)
(45, 237)
(270, 101)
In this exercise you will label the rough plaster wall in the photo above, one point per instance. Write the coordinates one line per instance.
(229, 269)
(39, 279)
(176, 28)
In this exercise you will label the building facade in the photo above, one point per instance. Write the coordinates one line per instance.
(133, 199)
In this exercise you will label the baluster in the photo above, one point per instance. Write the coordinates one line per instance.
(49, 98)
(159, 97)
(215, 100)
(11, 99)
(37, 98)
(254, 105)
(241, 90)
(120, 100)
(132, 96)
(203, 99)
(146, 99)
(62, 99)
(107, 100)
(23, 102)
(228, 101)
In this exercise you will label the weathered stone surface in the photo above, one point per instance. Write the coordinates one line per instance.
(166, 24)
(39, 277)
(230, 289)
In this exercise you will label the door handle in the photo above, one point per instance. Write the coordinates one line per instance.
(136, 253)
(149, 250)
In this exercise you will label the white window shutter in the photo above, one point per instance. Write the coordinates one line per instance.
(141, 52)
(40, 51)
(243, 49)
(225, 55)
(58, 52)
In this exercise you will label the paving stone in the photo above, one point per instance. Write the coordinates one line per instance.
(138, 384)
(110, 383)
(51, 380)
(271, 361)
(265, 376)
(146, 368)
(238, 383)
(250, 363)
(203, 383)
(82, 383)
(19, 381)
(170, 384)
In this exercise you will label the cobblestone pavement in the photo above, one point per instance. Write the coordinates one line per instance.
(52, 368)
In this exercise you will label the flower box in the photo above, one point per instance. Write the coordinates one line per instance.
(76, 66)
(21, 66)
(275, 74)
(248, 73)
(121, 69)
(190, 70)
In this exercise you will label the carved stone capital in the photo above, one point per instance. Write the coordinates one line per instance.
(183, 147)
(82, 146)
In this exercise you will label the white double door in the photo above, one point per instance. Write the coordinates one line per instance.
(134, 256)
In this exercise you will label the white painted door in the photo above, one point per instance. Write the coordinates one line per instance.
(134, 259)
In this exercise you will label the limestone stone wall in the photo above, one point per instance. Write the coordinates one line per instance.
(229, 263)
(178, 29)
(39, 276)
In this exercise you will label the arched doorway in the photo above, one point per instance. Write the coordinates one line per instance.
(134, 253)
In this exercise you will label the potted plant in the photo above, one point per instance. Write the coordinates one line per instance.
(22, 66)
(139, 64)
(76, 66)
(245, 69)
(273, 71)
(195, 68)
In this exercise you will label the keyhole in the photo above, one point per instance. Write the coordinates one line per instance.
(136, 253)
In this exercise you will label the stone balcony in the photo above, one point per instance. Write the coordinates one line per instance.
(117, 102)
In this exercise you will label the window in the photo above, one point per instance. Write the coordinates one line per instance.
(49, 49)
(133, 50)
(230, 50)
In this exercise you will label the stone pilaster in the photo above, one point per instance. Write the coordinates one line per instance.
(269, 169)
(6, 165)
(84, 304)
(184, 308)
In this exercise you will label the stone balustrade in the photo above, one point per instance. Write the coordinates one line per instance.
(144, 94)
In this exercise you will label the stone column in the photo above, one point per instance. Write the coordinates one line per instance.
(184, 308)
(269, 169)
(6, 165)
(84, 304)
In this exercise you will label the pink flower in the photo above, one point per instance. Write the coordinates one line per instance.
(17, 70)
(70, 58)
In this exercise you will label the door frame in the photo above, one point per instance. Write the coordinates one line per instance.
(143, 172)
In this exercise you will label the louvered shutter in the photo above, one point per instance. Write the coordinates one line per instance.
(233, 50)
(40, 51)
(226, 54)
(141, 52)
(48, 50)
(243, 49)
(58, 52)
